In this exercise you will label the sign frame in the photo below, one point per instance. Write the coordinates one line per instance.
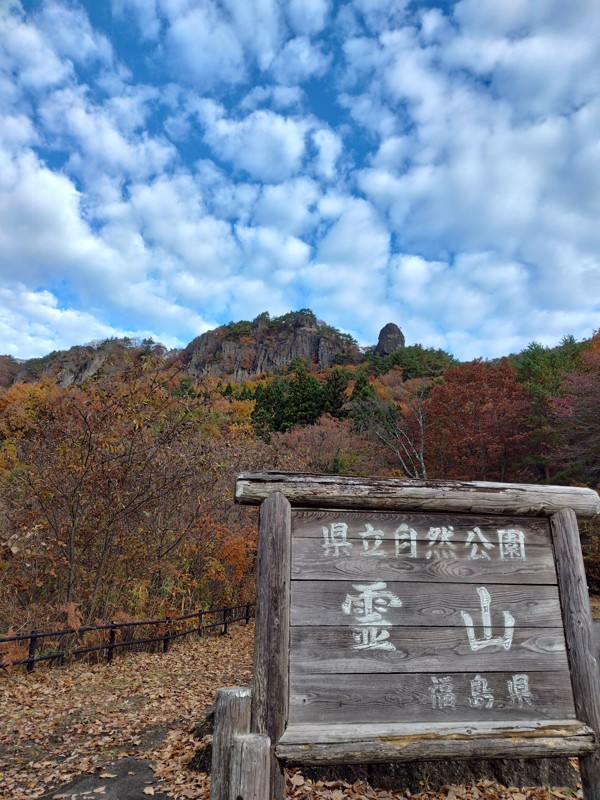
(301, 743)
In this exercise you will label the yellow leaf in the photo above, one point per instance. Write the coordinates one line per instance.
(148, 790)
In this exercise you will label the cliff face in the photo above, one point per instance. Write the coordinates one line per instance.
(81, 362)
(235, 352)
(245, 349)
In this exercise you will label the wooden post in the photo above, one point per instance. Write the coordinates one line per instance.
(270, 695)
(249, 775)
(111, 643)
(167, 636)
(225, 621)
(580, 638)
(31, 654)
(232, 717)
(247, 613)
(200, 621)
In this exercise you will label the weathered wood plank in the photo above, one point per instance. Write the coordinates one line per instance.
(310, 562)
(309, 522)
(345, 733)
(392, 494)
(335, 744)
(424, 698)
(580, 638)
(330, 650)
(271, 638)
(319, 603)
(250, 757)
(232, 716)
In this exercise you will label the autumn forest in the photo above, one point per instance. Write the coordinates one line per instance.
(116, 491)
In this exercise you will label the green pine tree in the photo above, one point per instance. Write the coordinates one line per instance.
(268, 414)
(304, 401)
(334, 393)
(363, 389)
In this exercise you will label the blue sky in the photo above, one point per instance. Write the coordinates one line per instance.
(167, 166)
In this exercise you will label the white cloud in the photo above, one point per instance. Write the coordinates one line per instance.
(17, 131)
(204, 48)
(101, 143)
(32, 323)
(280, 97)
(259, 27)
(169, 214)
(289, 206)
(268, 146)
(358, 238)
(329, 146)
(224, 197)
(381, 14)
(298, 61)
(308, 17)
(41, 229)
(265, 248)
(146, 13)
(24, 51)
(68, 31)
(471, 220)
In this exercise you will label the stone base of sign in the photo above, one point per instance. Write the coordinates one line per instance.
(542, 772)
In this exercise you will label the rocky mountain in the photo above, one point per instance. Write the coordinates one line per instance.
(235, 352)
(79, 363)
(243, 350)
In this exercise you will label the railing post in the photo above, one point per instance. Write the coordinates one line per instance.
(167, 636)
(225, 621)
(200, 621)
(247, 613)
(112, 635)
(31, 654)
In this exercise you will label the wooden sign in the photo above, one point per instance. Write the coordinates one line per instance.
(424, 618)
(402, 620)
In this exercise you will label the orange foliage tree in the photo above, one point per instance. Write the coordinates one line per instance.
(477, 423)
(117, 496)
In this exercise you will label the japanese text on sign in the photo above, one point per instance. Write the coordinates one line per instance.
(508, 544)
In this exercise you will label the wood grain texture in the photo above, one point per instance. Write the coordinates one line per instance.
(327, 491)
(329, 650)
(271, 639)
(308, 522)
(580, 637)
(319, 603)
(232, 716)
(348, 733)
(250, 757)
(309, 562)
(338, 744)
(417, 698)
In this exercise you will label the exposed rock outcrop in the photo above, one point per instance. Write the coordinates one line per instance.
(235, 352)
(83, 362)
(391, 339)
(243, 350)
